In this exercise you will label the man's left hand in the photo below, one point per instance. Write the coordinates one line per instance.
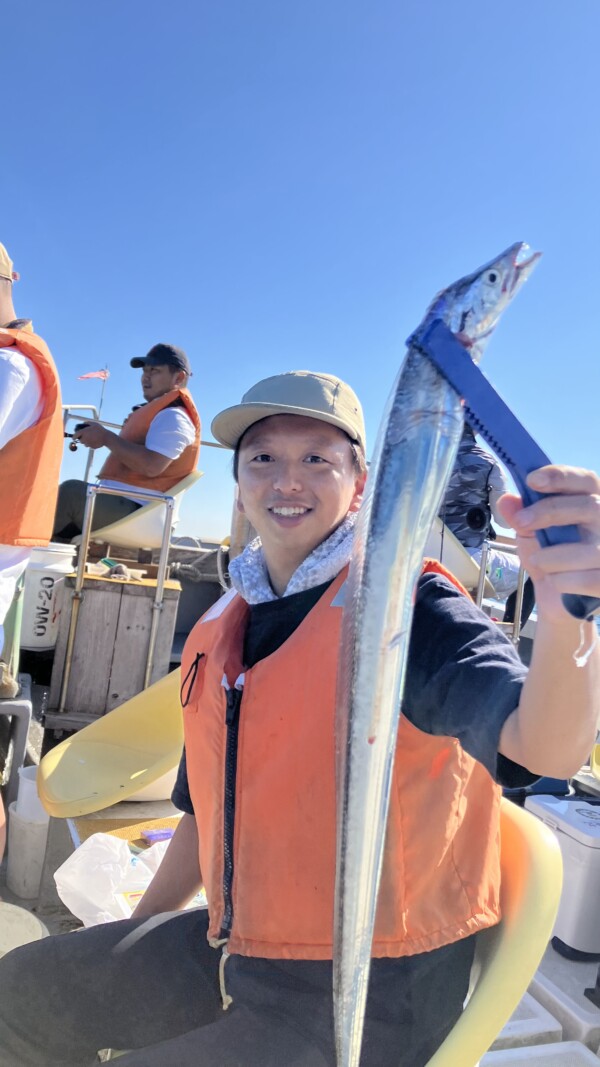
(573, 496)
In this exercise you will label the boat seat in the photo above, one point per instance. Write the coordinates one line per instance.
(445, 547)
(144, 528)
(120, 754)
(508, 954)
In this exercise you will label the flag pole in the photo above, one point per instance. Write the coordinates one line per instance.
(102, 390)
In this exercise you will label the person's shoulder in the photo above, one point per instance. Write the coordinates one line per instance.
(172, 417)
(441, 600)
(443, 608)
(173, 421)
(13, 362)
(436, 585)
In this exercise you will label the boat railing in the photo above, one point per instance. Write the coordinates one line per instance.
(510, 548)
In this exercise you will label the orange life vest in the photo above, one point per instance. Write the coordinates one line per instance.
(135, 428)
(441, 873)
(30, 462)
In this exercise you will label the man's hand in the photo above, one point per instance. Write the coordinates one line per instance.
(92, 435)
(138, 458)
(574, 497)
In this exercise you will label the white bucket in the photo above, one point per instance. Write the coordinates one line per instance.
(42, 599)
(28, 804)
(26, 851)
(18, 927)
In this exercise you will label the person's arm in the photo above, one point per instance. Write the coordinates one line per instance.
(138, 458)
(178, 877)
(554, 726)
(463, 676)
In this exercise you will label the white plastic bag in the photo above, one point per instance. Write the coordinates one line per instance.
(103, 880)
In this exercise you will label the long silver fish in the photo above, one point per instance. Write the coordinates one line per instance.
(414, 456)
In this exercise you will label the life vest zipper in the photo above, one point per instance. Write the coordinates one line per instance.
(232, 720)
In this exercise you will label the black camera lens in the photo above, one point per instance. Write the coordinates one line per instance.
(476, 519)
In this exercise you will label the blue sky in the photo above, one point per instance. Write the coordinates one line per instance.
(279, 186)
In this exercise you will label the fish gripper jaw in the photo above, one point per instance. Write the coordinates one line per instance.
(491, 417)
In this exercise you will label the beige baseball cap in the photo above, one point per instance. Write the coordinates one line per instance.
(6, 266)
(299, 392)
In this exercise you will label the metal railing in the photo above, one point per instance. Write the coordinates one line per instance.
(92, 493)
(510, 550)
(148, 496)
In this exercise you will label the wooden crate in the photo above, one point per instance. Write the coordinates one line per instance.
(111, 644)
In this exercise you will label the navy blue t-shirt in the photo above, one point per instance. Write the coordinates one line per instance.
(463, 676)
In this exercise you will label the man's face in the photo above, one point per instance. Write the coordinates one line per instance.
(297, 482)
(156, 381)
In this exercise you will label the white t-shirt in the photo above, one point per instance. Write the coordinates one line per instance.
(21, 400)
(497, 486)
(169, 434)
(21, 404)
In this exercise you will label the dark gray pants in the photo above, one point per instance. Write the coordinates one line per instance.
(70, 507)
(152, 986)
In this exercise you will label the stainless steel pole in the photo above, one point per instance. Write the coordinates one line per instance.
(90, 503)
(160, 585)
(485, 548)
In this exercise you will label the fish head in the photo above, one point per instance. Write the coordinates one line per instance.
(472, 306)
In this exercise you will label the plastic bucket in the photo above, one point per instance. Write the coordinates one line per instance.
(28, 804)
(18, 927)
(26, 851)
(42, 600)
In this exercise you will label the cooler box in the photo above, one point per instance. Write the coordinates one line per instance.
(576, 824)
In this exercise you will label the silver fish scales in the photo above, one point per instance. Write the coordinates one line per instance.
(413, 459)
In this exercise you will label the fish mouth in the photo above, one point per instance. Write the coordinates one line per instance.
(524, 262)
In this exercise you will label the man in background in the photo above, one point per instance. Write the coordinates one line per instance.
(471, 502)
(157, 447)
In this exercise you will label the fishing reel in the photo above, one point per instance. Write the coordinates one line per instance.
(73, 443)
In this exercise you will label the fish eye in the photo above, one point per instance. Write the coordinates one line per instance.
(492, 277)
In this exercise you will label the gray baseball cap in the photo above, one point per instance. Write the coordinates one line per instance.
(299, 392)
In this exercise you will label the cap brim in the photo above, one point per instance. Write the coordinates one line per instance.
(230, 425)
(137, 361)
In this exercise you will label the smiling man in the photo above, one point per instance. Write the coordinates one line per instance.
(158, 445)
(296, 489)
(249, 979)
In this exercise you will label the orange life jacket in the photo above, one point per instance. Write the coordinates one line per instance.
(30, 462)
(135, 428)
(441, 874)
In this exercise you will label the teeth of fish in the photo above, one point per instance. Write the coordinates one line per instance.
(289, 511)
(411, 465)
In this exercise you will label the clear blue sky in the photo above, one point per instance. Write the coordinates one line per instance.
(279, 186)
